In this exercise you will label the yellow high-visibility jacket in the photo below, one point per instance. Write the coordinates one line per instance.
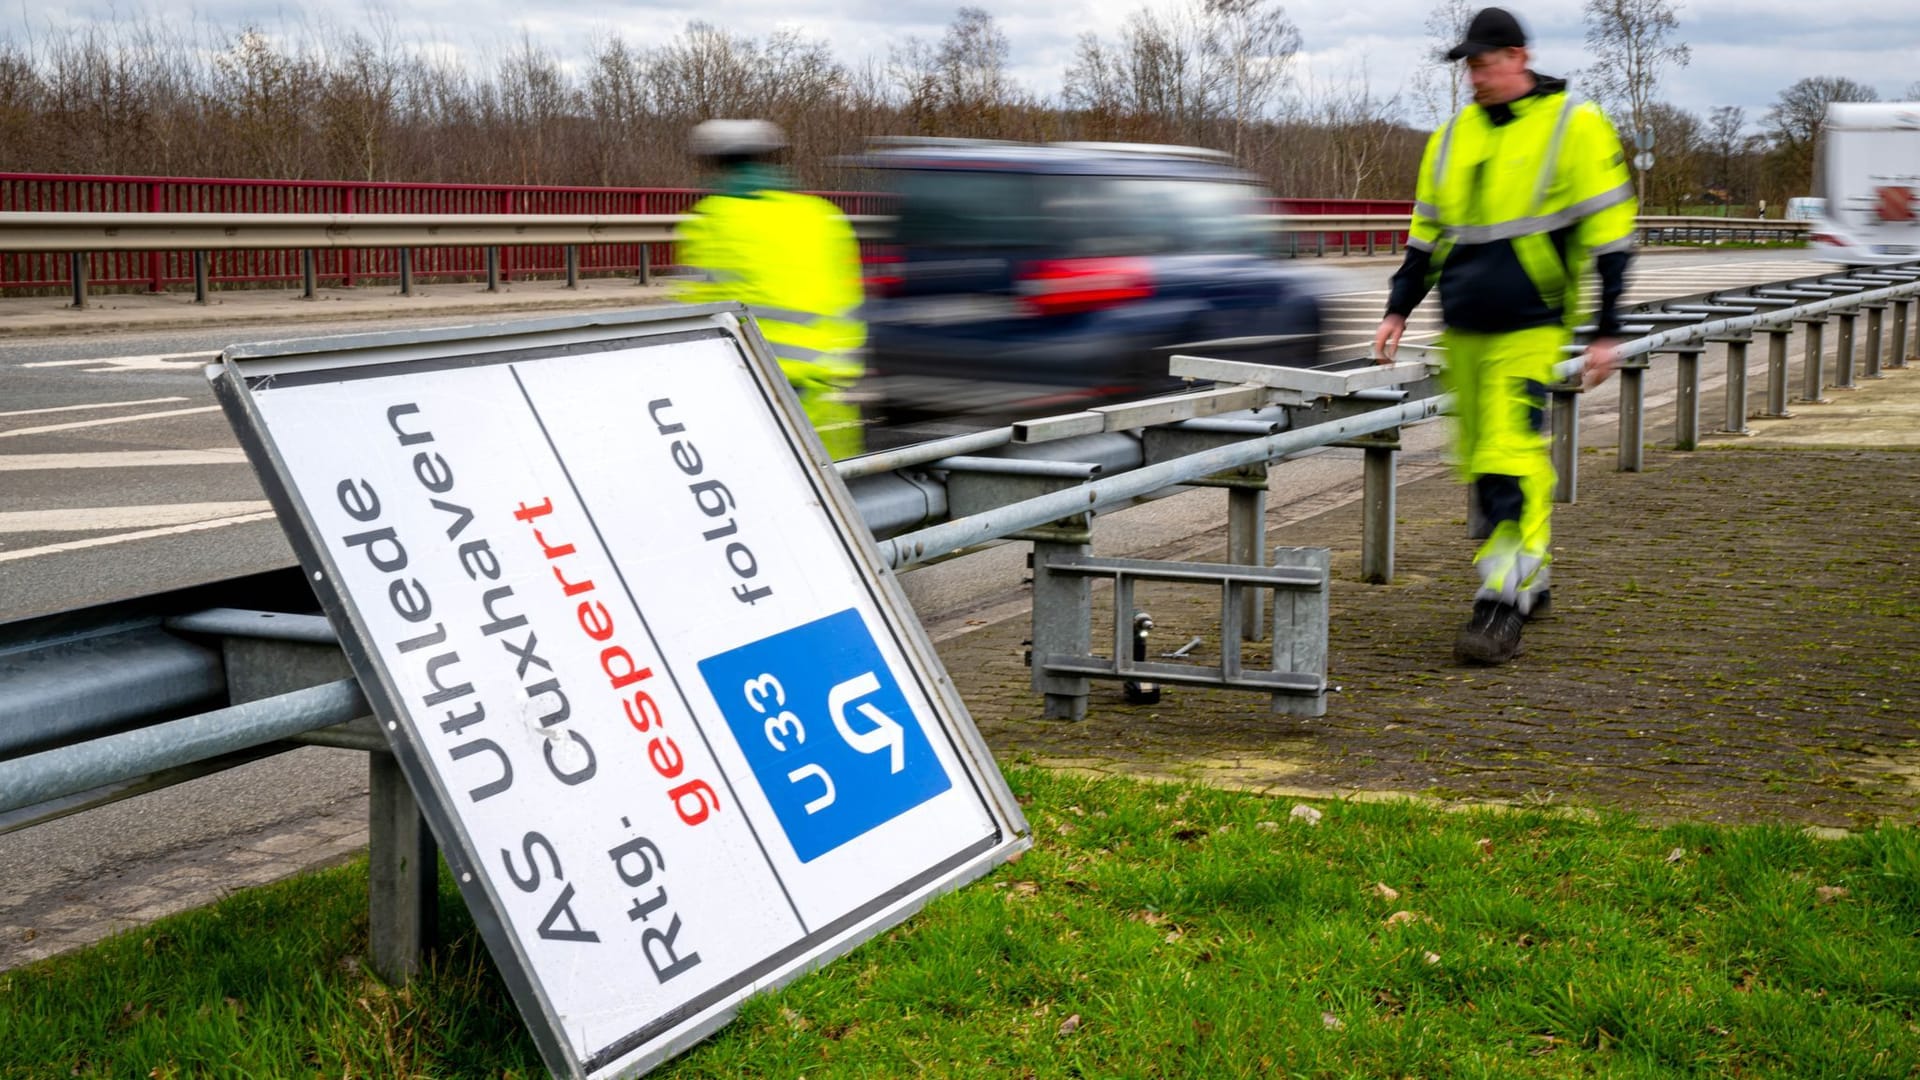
(1513, 204)
(793, 260)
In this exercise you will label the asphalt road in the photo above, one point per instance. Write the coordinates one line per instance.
(120, 477)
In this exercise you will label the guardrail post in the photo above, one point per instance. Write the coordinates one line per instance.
(77, 274)
(403, 869)
(1370, 241)
(1686, 420)
(1564, 400)
(1247, 546)
(1843, 359)
(199, 277)
(1378, 508)
(646, 264)
(1346, 242)
(1062, 625)
(493, 269)
(1875, 327)
(1915, 350)
(306, 275)
(1736, 419)
(1322, 252)
(1633, 415)
(406, 271)
(1777, 370)
(1814, 384)
(1897, 358)
(573, 266)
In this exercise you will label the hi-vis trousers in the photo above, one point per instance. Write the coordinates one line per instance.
(1499, 383)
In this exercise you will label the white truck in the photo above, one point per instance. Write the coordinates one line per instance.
(1867, 168)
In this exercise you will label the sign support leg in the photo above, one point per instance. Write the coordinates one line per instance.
(402, 873)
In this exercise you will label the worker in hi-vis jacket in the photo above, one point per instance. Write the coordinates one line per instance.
(1518, 196)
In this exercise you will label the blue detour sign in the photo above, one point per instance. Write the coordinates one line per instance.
(826, 730)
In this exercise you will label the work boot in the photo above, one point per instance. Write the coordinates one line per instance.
(1492, 636)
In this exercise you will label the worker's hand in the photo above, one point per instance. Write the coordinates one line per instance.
(1601, 360)
(1386, 340)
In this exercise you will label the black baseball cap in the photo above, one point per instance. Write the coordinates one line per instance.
(1492, 28)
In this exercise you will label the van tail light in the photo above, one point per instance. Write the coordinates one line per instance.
(880, 269)
(1072, 286)
(1826, 238)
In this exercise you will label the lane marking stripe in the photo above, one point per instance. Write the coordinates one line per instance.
(46, 428)
(120, 459)
(122, 538)
(99, 518)
(158, 361)
(95, 405)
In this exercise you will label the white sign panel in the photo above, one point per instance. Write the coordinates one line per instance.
(677, 733)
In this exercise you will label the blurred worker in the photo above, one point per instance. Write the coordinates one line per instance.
(1516, 196)
(792, 259)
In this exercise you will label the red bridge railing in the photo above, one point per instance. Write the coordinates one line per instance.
(155, 271)
(157, 194)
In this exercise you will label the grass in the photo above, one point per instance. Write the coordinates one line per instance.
(1153, 931)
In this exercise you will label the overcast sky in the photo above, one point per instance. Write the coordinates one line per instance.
(1744, 51)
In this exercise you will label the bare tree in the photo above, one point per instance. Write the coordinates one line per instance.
(266, 91)
(319, 100)
(1630, 41)
(1793, 122)
(619, 101)
(1095, 84)
(1436, 82)
(1912, 92)
(359, 105)
(1253, 42)
(1677, 143)
(960, 83)
(707, 72)
(1180, 73)
(1725, 137)
(536, 106)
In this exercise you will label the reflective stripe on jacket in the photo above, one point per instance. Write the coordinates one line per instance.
(1513, 210)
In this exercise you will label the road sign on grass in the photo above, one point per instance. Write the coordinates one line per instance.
(674, 725)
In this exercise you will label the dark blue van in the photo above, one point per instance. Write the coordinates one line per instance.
(1026, 280)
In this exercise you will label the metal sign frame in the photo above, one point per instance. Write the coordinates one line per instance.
(242, 369)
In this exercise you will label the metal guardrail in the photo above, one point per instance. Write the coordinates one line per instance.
(85, 232)
(79, 235)
(1689, 229)
(1043, 482)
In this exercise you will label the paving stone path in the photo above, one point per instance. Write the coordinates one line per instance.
(1735, 638)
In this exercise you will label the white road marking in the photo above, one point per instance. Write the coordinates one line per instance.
(122, 538)
(46, 428)
(112, 364)
(95, 405)
(120, 459)
(103, 518)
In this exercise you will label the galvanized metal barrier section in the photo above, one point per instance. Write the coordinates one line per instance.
(105, 703)
(78, 234)
(1062, 627)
